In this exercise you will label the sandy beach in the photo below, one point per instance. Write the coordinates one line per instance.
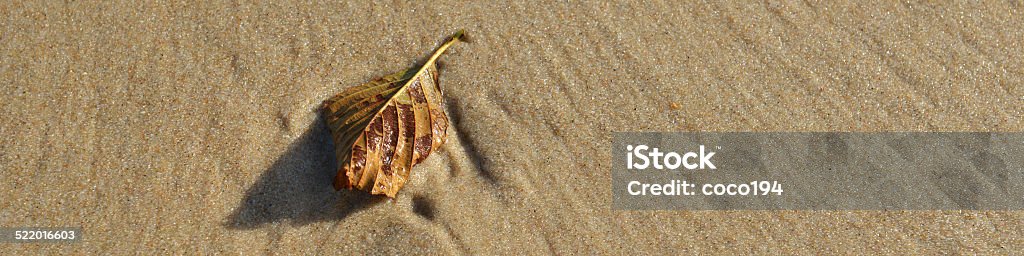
(174, 128)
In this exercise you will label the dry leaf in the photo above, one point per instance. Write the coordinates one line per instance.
(382, 128)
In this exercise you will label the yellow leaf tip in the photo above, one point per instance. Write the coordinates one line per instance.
(461, 36)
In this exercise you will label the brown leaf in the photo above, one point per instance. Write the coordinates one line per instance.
(382, 128)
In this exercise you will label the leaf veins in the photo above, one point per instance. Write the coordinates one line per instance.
(382, 128)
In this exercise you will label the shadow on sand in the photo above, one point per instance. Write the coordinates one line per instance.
(297, 187)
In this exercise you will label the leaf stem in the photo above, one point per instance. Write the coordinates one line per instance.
(455, 38)
(458, 36)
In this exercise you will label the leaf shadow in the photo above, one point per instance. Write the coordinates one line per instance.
(468, 142)
(297, 187)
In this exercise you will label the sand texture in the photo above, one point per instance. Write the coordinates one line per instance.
(179, 128)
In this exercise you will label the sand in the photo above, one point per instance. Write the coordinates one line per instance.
(180, 128)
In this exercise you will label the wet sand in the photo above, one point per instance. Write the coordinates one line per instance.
(174, 128)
